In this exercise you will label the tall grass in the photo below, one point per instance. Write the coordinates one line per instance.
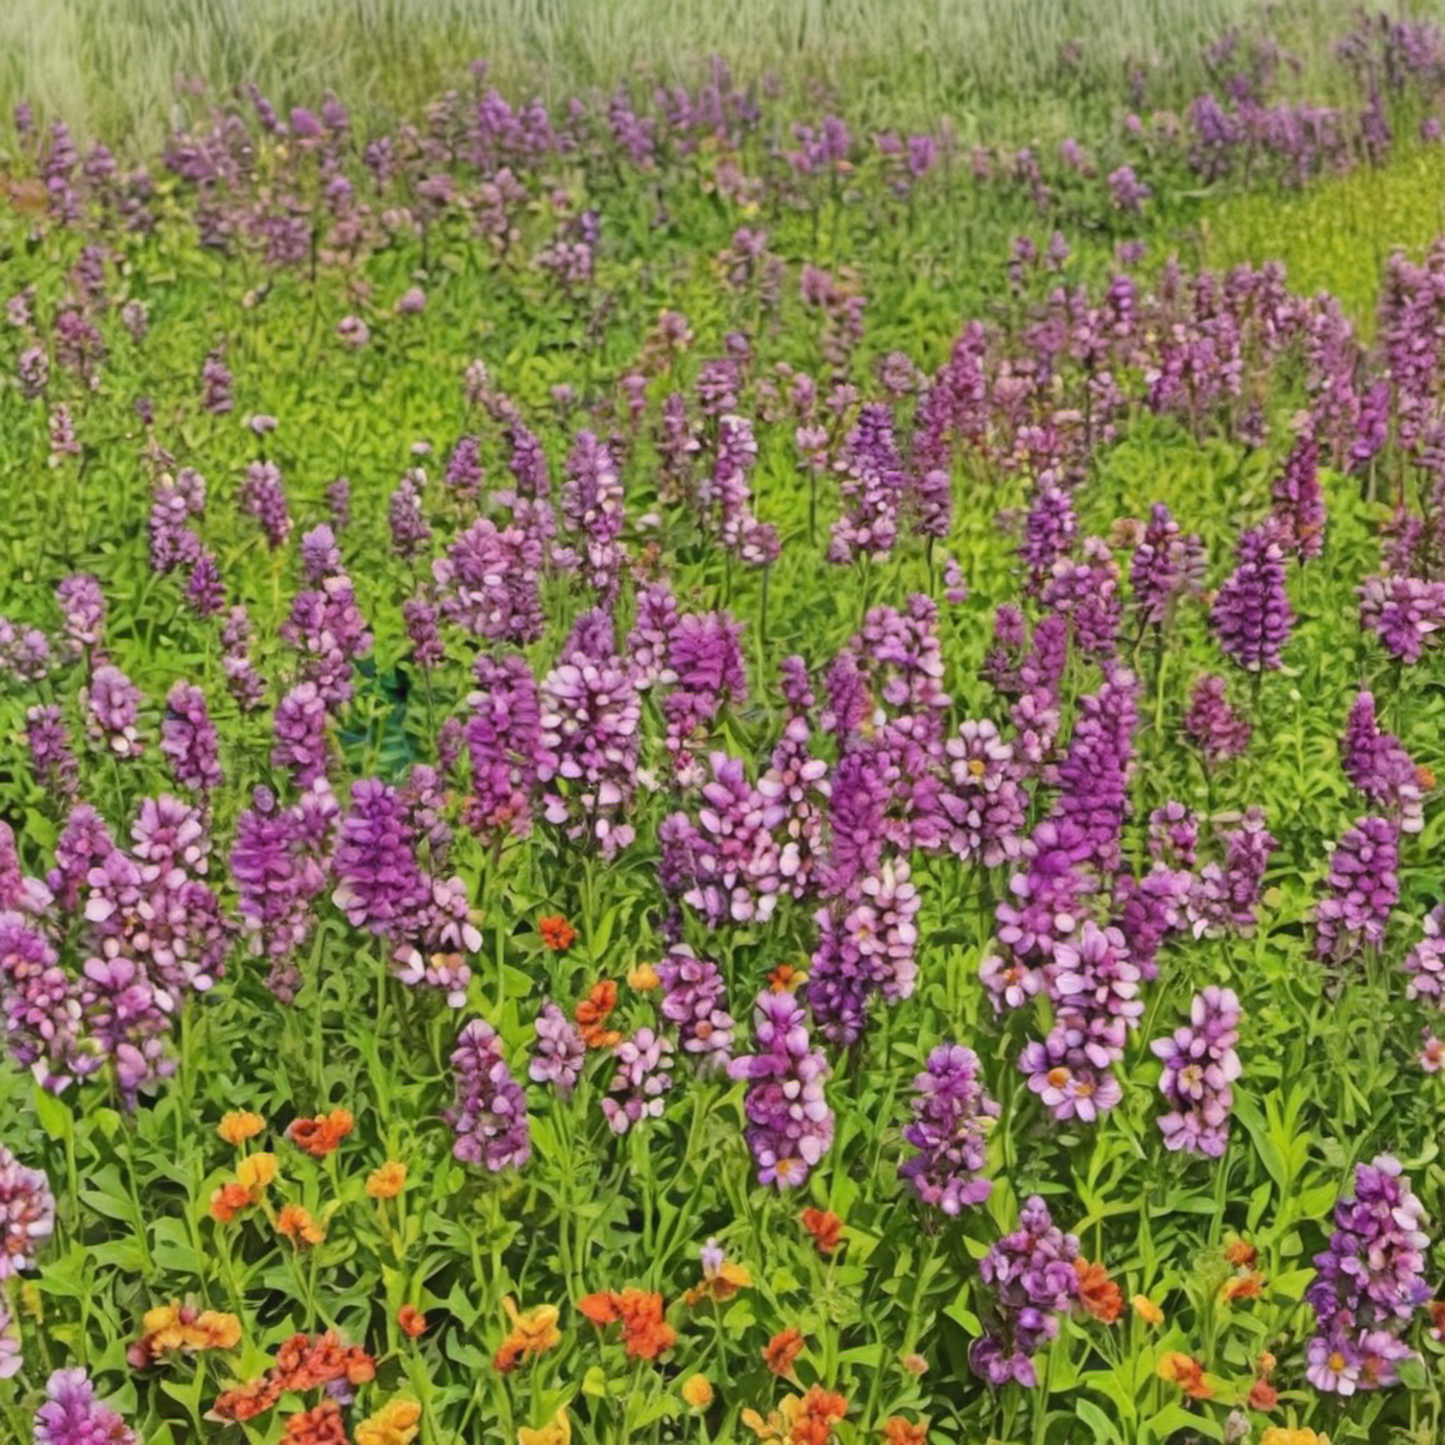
(111, 66)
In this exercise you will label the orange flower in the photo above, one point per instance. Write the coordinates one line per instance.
(780, 1351)
(301, 1365)
(644, 1331)
(1263, 1396)
(1244, 1286)
(825, 1227)
(557, 933)
(412, 1321)
(1185, 1372)
(799, 1420)
(643, 978)
(1147, 1310)
(1265, 1364)
(1240, 1254)
(237, 1126)
(228, 1201)
(898, 1431)
(785, 978)
(386, 1182)
(721, 1278)
(1278, 1435)
(591, 1016)
(321, 1426)
(1425, 777)
(182, 1327)
(298, 1226)
(1097, 1292)
(697, 1392)
(532, 1333)
(396, 1423)
(319, 1136)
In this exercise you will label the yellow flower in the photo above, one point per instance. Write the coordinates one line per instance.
(697, 1391)
(396, 1423)
(256, 1172)
(387, 1181)
(533, 1333)
(1147, 1310)
(558, 1431)
(643, 978)
(1280, 1435)
(298, 1226)
(180, 1327)
(238, 1126)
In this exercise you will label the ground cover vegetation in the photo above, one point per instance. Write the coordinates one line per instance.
(678, 762)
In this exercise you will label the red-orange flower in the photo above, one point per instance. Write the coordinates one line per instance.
(302, 1364)
(898, 1431)
(592, 1013)
(825, 1227)
(785, 978)
(319, 1136)
(644, 1331)
(321, 1426)
(813, 1424)
(1240, 1254)
(780, 1351)
(533, 1332)
(228, 1201)
(298, 1226)
(411, 1320)
(557, 933)
(1187, 1373)
(1097, 1292)
(1263, 1396)
(1244, 1286)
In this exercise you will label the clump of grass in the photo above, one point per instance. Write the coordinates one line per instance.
(1337, 235)
(111, 66)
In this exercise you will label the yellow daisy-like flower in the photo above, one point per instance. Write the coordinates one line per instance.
(256, 1172)
(557, 1431)
(396, 1423)
(697, 1391)
(643, 978)
(1282, 1435)
(1147, 1310)
(387, 1181)
(533, 1332)
(238, 1126)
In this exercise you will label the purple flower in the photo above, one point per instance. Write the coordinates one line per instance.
(378, 883)
(216, 383)
(71, 1415)
(692, 998)
(27, 1214)
(1215, 727)
(951, 1119)
(986, 805)
(1251, 614)
(1034, 1281)
(1094, 775)
(488, 582)
(705, 668)
(1165, 566)
(1225, 898)
(1378, 765)
(113, 703)
(1199, 1066)
(1425, 963)
(503, 738)
(204, 590)
(410, 531)
(640, 1081)
(489, 1118)
(51, 758)
(1405, 612)
(790, 1126)
(189, 740)
(589, 740)
(1297, 522)
(1364, 888)
(83, 603)
(11, 1352)
(263, 498)
(873, 483)
(560, 1051)
(300, 732)
(1368, 1282)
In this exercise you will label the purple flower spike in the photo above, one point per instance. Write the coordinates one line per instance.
(951, 1119)
(490, 1115)
(1199, 1066)
(1251, 615)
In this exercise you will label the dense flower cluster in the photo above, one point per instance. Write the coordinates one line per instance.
(1200, 1064)
(951, 1117)
(489, 1118)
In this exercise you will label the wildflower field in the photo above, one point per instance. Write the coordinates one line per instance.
(679, 763)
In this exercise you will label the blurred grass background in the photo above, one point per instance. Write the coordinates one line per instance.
(1020, 67)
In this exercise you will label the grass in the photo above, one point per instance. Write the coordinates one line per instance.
(111, 66)
(1337, 235)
